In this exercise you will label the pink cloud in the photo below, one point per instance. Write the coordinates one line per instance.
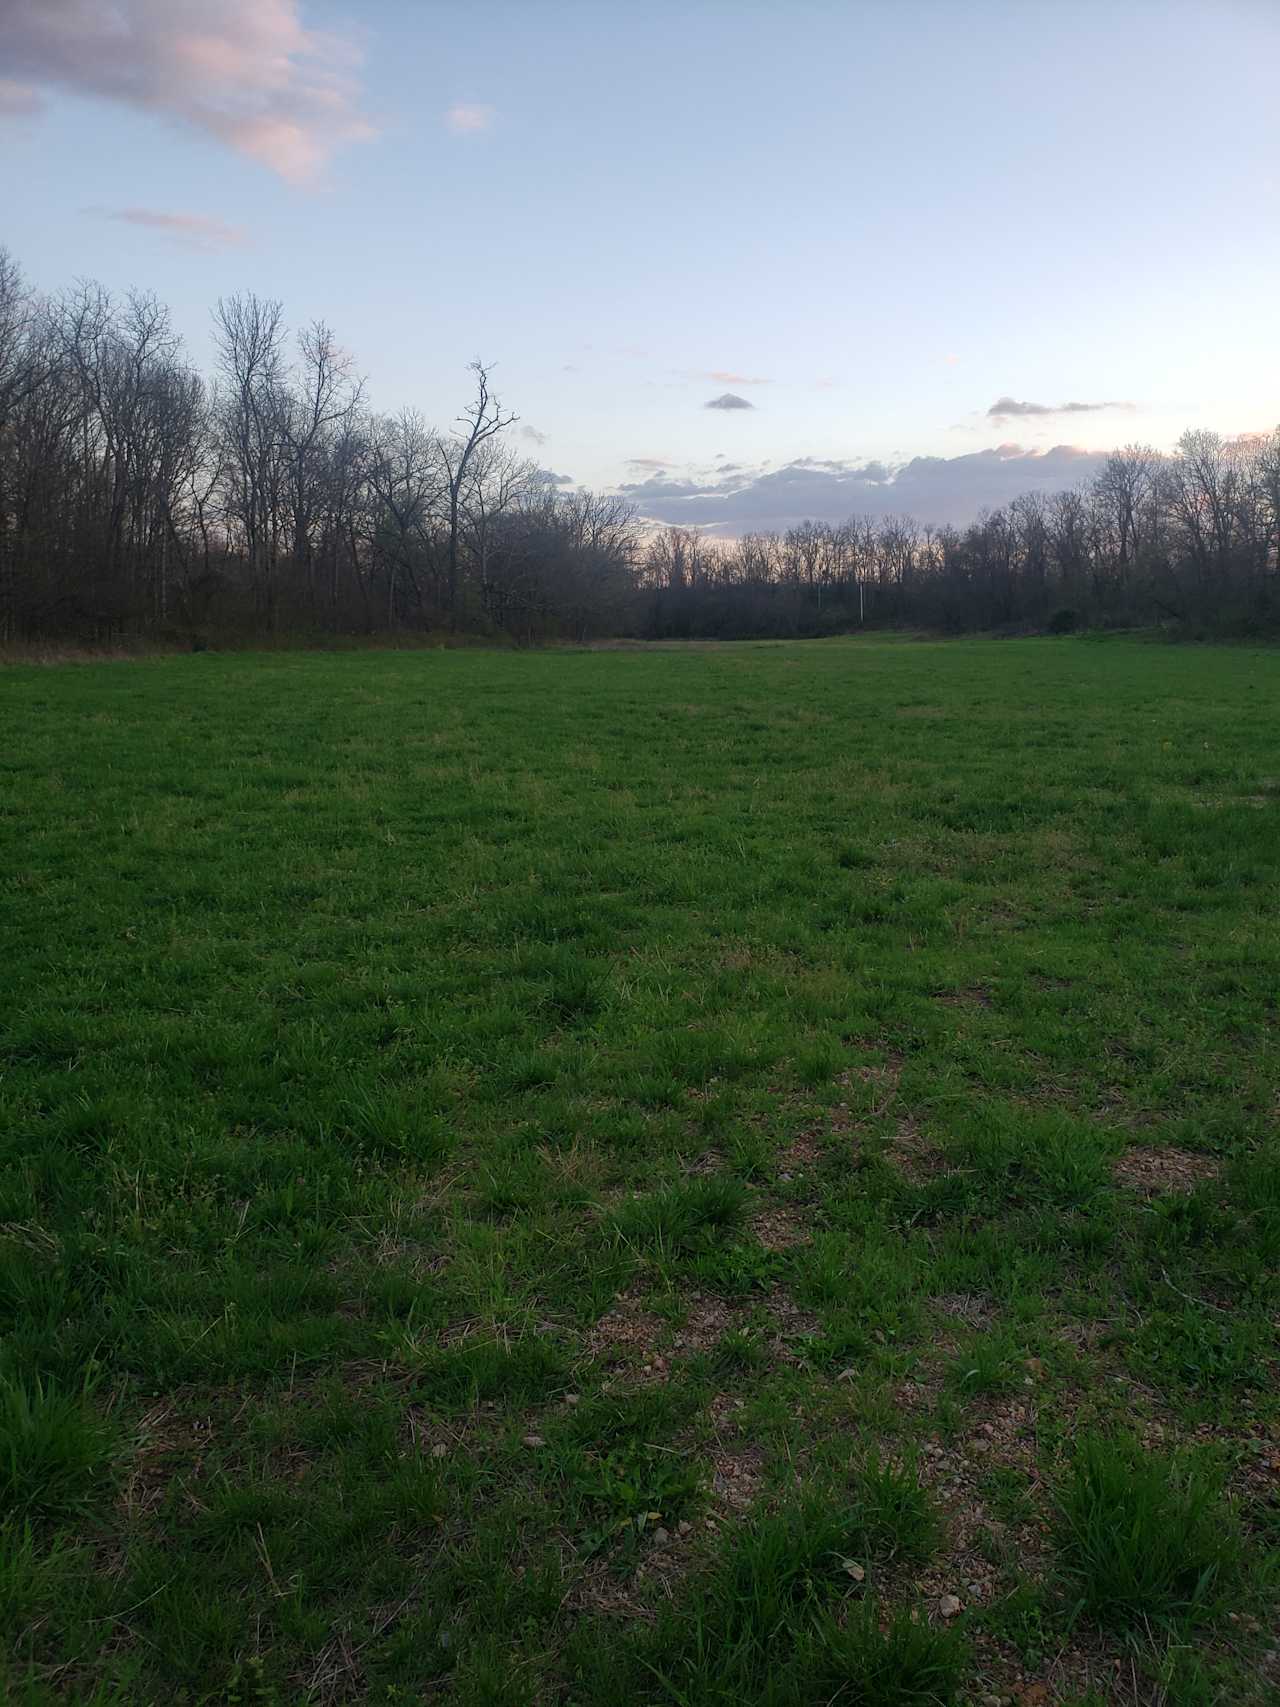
(196, 230)
(247, 72)
(723, 377)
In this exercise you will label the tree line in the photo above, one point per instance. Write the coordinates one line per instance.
(1191, 539)
(138, 496)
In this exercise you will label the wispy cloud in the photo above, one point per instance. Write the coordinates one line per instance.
(246, 72)
(547, 477)
(195, 230)
(728, 400)
(649, 462)
(723, 377)
(534, 436)
(1010, 409)
(465, 118)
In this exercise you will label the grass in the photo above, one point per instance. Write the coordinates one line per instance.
(640, 1175)
(1145, 1536)
(52, 1448)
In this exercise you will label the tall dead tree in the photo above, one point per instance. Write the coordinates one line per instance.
(480, 421)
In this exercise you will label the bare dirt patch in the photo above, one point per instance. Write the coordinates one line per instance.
(781, 1228)
(625, 1336)
(737, 1464)
(976, 996)
(708, 1320)
(794, 1325)
(804, 1150)
(1155, 1168)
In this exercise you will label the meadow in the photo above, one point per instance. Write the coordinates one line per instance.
(745, 1174)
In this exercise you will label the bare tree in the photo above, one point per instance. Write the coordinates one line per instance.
(480, 421)
(313, 413)
(249, 336)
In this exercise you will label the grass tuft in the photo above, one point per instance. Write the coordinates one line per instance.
(882, 1659)
(1145, 1536)
(54, 1449)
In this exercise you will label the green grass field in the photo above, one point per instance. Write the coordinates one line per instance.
(735, 1175)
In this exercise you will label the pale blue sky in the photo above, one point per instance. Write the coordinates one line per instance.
(890, 214)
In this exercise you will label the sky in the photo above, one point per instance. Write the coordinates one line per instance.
(745, 262)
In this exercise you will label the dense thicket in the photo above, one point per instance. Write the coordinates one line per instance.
(137, 496)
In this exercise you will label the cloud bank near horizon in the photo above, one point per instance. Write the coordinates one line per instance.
(248, 73)
(931, 489)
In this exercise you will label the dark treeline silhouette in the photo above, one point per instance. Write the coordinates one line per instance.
(270, 499)
(138, 497)
(1191, 539)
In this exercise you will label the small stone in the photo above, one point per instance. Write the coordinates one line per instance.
(439, 1450)
(660, 1537)
(534, 1440)
(949, 1606)
(684, 1526)
(853, 1569)
(572, 1398)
